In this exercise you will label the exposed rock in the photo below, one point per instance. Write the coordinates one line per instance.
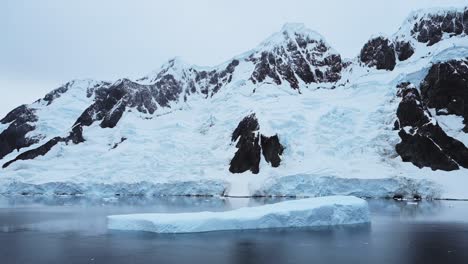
(465, 20)
(422, 152)
(249, 143)
(379, 52)
(110, 103)
(410, 111)
(272, 150)
(404, 50)
(33, 153)
(14, 137)
(453, 148)
(50, 97)
(424, 143)
(192, 80)
(247, 156)
(431, 27)
(122, 139)
(446, 88)
(74, 136)
(296, 57)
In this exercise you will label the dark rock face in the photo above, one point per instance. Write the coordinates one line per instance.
(111, 102)
(211, 82)
(122, 139)
(410, 111)
(75, 136)
(50, 97)
(445, 88)
(272, 150)
(300, 58)
(14, 137)
(192, 80)
(379, 52)
(424, 143)
(420, 150)
(250, 144)
(431, 27)
(404, 50)
(33, 153)
(465, 20)
(247, 156)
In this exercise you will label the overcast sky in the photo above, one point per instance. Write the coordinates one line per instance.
(45, 43)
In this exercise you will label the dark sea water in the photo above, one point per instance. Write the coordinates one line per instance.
(73, 230)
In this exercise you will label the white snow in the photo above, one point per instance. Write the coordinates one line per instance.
(310, 185)
(139, 188)
(341, 137)
(57, 118)
(323, 211)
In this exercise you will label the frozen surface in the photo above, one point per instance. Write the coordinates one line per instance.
(323, 211)
(176, 188)
(337, 141)
(309, 185)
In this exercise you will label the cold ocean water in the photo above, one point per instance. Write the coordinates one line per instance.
(74, 230)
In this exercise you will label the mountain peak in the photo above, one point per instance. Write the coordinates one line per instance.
(293, 27)
(175, 66)
(430, 25)
(293, 31)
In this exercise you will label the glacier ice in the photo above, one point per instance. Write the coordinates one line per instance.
(322, 211)
(309, 185)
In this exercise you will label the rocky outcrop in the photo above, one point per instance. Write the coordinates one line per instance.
(247, 157)
(75, 136)
(250, 143)
(272, 149)
(423, 141)
(296, 55)
(404, 50)
(379, 52)
(192, 80)
(111, 102)
(410, 111)
(430, 28)
(423, 152)
(445, 88)
(50, 97)
(109, 105)
(40, 151)
(21, 122)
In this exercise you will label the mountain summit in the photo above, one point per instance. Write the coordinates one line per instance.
(284, 116)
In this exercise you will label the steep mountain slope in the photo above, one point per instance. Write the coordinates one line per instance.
(288, 115)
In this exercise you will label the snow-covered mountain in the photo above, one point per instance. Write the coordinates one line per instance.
(289, 117)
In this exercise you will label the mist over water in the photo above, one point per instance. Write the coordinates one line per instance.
(53, 230)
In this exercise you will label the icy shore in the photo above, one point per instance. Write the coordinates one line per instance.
(309, 185)
(322, 211)
(142, 188)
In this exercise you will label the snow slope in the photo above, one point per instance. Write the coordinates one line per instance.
(322, 211)
(340, 133)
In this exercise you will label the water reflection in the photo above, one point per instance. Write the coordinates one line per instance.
(60, 229)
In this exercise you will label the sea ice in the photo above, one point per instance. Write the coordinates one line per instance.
(321, 211)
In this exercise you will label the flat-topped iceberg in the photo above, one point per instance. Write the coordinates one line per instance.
(320, 211)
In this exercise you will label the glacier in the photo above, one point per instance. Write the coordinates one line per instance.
(338, 136)
(322, 211)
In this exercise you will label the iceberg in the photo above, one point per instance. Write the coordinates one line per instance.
(320, 211)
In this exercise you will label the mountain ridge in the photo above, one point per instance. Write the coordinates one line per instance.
(193, 112)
